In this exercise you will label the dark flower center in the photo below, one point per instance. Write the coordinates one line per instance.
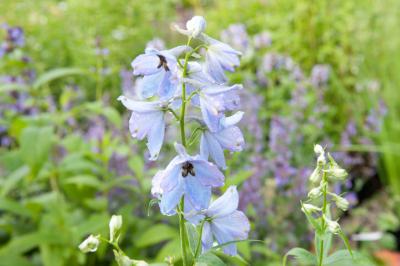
(163, 63)
(187, 168)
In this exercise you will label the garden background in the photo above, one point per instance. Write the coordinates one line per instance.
(314, 72)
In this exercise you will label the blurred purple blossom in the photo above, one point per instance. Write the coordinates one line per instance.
(236, 35)
(320, 75)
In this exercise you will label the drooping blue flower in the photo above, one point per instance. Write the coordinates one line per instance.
(223, 222)
(160, 71)
(215, 100)
(228, 137)
(189, 176)
(147, 120)
(220, 57)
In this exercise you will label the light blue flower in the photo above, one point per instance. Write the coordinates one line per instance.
(160, 71)
(220, 57)
(215, 100)
(147, 120)
(191, 176)
(223, 222)
(228, 137)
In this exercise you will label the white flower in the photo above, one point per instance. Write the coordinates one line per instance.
(316, 174)
(318, 149)
(115, 227)
(337, 173)
(310, 208)
(90, 244)
(341, 202)
(333, 226)
(124, 260)
(315, 193)
(196, 26)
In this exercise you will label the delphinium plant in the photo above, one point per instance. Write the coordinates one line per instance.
(318, 209)
(174, 80)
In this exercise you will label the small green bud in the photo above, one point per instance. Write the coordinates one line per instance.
(333, 226)
(315, 175)
(341, 202)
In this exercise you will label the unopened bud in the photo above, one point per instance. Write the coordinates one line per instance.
(309, 208)
(315, 175)
(196, 25)
(90, 244)
(315, 193)
(341, 203)
(333, 226)
(318, 149)
(115, 227)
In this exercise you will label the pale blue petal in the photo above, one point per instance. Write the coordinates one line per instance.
(155, 137)
(170, 200)
(204, 147)
(232, 120)
(191, 214)
(230, 138)
(146, 64)
(209, 116)
(139, 106)
(214, 149)
(167, 88)
(207, 173)
(180, 149)
(214, 68)
(151, 84)
(139, 125)
(195, 192)
(207, 237)
(232, 227)
(225, 204)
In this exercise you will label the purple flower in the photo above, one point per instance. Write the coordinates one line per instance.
(237, 36)
(320, 75)
(156, 43)
(228, 137)
(262, 40)
(220, 57)
(223, 222)
(189, 176)
(160, 71)
(147, 120)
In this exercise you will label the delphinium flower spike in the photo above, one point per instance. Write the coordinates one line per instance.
(180, 78)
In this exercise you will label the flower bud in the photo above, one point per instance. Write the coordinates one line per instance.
(318, 149)
(337, 173)
(315, 193)
(196, 26)
(310, 208)
(316, 175)
(341, 203)
(115, 227)
(321, 160)
(333, 226)
(90, 244)
(124, 260)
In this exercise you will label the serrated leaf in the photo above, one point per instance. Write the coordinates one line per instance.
(156, 234)
(56, 74)
(304, 257)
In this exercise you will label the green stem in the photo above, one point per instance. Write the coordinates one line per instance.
(196, 254)
(182, 229)
(324, 206)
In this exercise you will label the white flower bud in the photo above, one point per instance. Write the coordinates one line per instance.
(123, 260)
(196, 26)
(321, 160)
(318, 149)
(90, 244)
(316, 175)
(115, 227)
(310, 208)
(315, 193)
(341, 203)
(337, 173)
(333, 226)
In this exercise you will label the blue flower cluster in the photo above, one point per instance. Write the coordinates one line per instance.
(169, 82)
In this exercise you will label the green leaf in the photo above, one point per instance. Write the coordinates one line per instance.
(56, 74)
(346, 242)
(36, 144)
(193, 236)
(12, 180)
(84, 180)
(313, 221)
(13, 87)
(326, 239)
(156, 234)
(304, 257)
(343, 257)
(209, 259)
(7, 260)
(238, 178)
(14, 207)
